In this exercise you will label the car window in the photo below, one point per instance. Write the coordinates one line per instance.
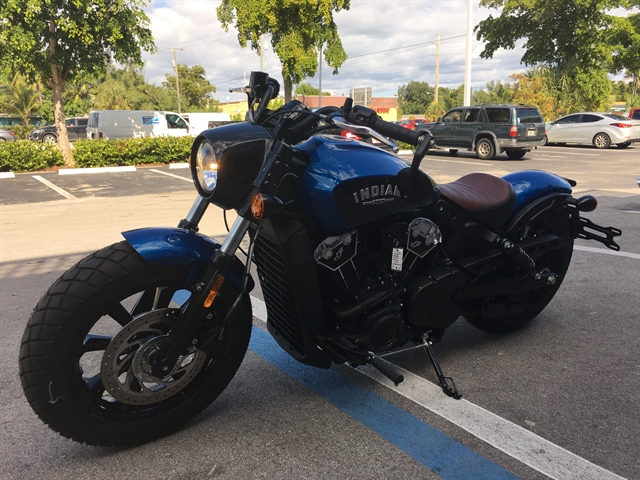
(587, 118)
(93, 120)
(569, 119)
(498, 115)
(174, 121)
(616, 117)
(472, 115)
(453, 116)
(82, 122)
(70, 123)
(636, 115)
(528, 115)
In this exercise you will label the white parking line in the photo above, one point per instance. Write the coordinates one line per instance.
(514, 440)
(7, 175)
(172, 175)
(78, 171)
(55, 188)
(606, 251)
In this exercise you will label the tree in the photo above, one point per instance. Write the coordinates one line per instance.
(415, 97)
(531, 89)
(195, 89)
(59, 41)
(298, 28)
(308, 89)
(494, 93)
(21, 98)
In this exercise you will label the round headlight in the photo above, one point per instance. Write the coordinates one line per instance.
(207, 167)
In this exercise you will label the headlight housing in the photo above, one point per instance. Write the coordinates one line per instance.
(206, 165)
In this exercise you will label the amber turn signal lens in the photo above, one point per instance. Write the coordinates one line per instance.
(257, 206)
(213, 293)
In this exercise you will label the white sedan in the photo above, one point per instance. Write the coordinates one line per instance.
(593, 128)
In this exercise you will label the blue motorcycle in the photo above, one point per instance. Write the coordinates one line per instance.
(359, 255)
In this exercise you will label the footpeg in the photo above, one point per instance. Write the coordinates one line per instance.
(449, 390)
(388, 369)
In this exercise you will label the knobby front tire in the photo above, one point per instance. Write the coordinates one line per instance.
(113, 301)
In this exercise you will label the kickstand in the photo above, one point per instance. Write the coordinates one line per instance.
(449, 390)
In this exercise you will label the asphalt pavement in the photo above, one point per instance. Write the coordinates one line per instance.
(557, 399)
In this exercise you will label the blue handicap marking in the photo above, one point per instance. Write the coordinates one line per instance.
(437, 451)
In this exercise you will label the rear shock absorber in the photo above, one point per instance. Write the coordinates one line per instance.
(519, 259)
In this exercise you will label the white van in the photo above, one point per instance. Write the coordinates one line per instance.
(115, 124)
(201, 121)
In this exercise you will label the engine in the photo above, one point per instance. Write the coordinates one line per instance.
(367, 276)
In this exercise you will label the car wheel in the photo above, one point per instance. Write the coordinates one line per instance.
(623, 145)
(601, 140)
(2, 139)
(485, 149)
(453, 151)
(516, 154)
(545, 141)
(49, 139)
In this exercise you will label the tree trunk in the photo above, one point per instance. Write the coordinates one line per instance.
(57, 82)
(287, 88)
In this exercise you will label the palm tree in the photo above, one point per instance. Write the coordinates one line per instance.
(21, 98)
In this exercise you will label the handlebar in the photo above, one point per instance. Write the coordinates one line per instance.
(365, 116)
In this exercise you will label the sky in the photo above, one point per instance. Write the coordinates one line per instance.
(389, 43)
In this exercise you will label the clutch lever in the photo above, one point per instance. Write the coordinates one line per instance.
(362, 130)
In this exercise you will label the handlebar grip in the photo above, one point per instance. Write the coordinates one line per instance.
(365, 116)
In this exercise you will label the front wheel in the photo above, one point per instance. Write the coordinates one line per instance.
(85, 358)
(601, 140)
(508, 313)
(49, 138)
(485, 149)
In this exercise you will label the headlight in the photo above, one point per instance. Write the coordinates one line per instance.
(207, 167)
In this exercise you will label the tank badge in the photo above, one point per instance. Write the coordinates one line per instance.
(377, 194)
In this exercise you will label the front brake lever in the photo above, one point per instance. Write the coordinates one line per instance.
(361, 130)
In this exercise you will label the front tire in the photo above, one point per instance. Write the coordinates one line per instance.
(485, 149)
(519, 309)
(84, 355)
(49, 138)
(601, 140)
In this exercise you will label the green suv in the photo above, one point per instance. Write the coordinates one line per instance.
(489, 129)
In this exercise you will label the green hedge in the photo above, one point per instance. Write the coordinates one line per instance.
(25, 156)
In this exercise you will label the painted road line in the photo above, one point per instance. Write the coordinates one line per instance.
(62, 192)
(517, 442)
(172, 175)
(7, 175)
(514, 440)
(178, 165)
(437, 451)
(77, 171)
(606, 252)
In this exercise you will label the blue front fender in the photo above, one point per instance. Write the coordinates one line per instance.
(176, 247)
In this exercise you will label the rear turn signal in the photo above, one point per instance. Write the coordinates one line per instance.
(513, 132)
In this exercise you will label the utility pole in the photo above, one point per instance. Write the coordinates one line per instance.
(175, 68)
(437, 64)
(467, 67)
(320, 82)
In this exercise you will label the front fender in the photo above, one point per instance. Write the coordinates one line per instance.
(177, 247)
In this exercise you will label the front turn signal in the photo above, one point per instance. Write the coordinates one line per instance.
(263, 206)
(213, 293)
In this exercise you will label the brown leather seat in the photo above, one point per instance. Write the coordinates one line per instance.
(489, 199)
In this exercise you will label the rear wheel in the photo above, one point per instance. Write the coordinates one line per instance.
(511, 312)
(516, 154)
(485, 149)
(49, 138)
(601, 140)
(86, 353)
(623, 145)
(453, 152)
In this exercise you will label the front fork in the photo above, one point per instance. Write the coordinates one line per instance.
(204, 292)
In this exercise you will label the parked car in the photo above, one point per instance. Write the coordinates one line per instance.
(7, 136)
(200, 121)
(116, 124)
(634, 114)
(594, 128)
(412, 123)
(76, 128)
(489, 130)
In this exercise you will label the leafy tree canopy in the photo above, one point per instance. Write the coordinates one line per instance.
(415, 97)
(308, 89)
(58, 41)
(298, 28)
(195, 89)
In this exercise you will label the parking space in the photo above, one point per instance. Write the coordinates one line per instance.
(557, 399)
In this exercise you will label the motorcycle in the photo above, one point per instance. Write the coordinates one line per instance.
(359, 254)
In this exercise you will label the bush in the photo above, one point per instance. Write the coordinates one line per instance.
(24, 156)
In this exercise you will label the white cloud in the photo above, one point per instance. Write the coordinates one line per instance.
(389, 44)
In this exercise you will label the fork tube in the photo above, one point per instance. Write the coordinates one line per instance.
(235, 236)
(194, 216)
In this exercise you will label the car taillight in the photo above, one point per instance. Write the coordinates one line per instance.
(100, 135)
(621, 125)
(348, 134)
(513, 132)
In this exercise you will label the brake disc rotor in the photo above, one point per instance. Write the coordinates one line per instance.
(126, 367)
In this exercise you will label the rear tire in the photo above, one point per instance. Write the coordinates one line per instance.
(516, 154)
(49, 138)
(623, 145)
(453, 152)
(524, 307)
(485, 149)
(91, 323)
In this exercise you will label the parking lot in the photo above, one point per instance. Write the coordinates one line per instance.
(557, 399)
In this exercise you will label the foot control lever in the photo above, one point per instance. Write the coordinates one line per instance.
(449, 390)
(388, 369)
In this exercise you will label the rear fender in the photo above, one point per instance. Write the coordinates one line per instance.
(176, 247)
